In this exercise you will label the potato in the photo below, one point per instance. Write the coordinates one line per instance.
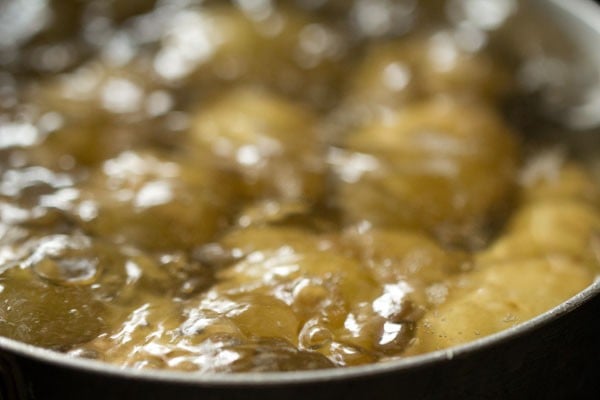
(95, 90)
(155, 339)
(559, 214)
(235, 45)
(498, 297)
(548, 227)
(395, 73)
(85, 144)
(130, 276)
(413, 271)
(251, 332)
(264, 316)
(61, 290)
(150, 201)
(551, 175)
(290, 273)
(140, 339)
(115, 274)
(343, 313)
(443, 166)
(288, 213)
(396, 255)
(322, 288)
(273, 355)
(271, 142)
(545, 255)
(91, 114)
(273, 238)
(44, 314)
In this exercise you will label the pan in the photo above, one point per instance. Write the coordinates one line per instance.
(553, 356)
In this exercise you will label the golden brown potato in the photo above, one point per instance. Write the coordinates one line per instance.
(396, 73)
(269, 141)
(238, 44)
(322, 289)
(498, 297)
(273, 355)
(276, 257)
(548, 227)
(273, 238)
(41, 313)
(343, 313)
(160, 334)
(153, 202)
(300, 214)
(342, 276)
(559, 214)
(544, 256)
(264, 316)
(89, 114)
(445, 166)
(115, 274)
(61, 290)
(135, 339)
(84, 144)
(95, 91)
(395, 255)
(550, 175)
(130, 276)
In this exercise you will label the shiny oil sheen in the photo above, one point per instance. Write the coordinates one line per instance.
(188, 201)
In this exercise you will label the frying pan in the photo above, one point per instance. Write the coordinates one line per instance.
(553, 356)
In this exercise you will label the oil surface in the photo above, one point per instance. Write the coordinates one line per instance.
(275, 186)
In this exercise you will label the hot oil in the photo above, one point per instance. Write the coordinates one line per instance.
(258, 185)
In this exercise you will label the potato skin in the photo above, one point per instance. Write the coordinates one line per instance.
(48, 315)
(558, 214)
(545, 228)
(270, 142)
(97, 111)
(340, 309)
(151, 201)
(61, 290)
(396, 73)
(274, 295)
(443, 166)
(544, 256)
(394, 255)
(498, 297)
(239, 49)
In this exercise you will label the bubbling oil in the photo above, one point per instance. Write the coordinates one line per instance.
(275, 186)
